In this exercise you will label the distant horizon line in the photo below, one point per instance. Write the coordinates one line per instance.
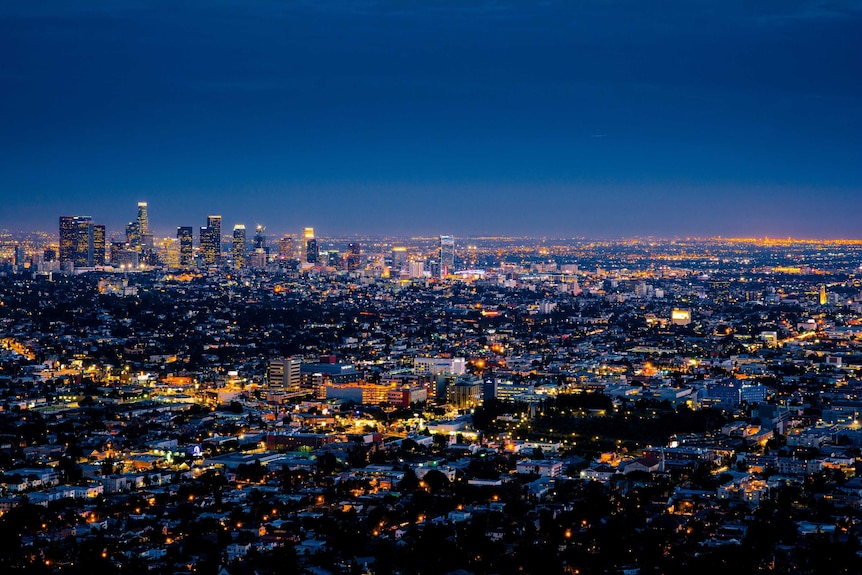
(765, 239)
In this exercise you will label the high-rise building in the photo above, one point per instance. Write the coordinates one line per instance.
(259, 238)
(83, 257)
(312, 250)
(210, 238)
(286, 248)
(76, 241)
(399, 259)
(133, 235)
(169, 252)
(143, 219)
(284, 373)
(68, 239)
(239, 246)
(447, 255)
(354, 256)
(184, 235)
(99, 245)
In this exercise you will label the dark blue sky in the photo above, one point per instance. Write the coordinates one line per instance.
(590, 118)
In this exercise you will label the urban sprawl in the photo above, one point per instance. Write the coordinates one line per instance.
(490, 405)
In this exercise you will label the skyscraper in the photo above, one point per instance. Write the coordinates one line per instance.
(312, 251)
(286, 249)
(76, 241)
(133, 235)
(399, 259)
(447, 255)
(210, 238)
(259, 238)
(239, 246)
(184, 235)
(67, 238)
(83, 257)
(98, 245)
(143, 219)
(354, 256)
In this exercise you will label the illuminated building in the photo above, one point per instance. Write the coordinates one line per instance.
(360, 392)
(417, 269)
(98, 245)
(68, 239)
(133, 235)
(239, 246)
(210, 239)
(76, 241)
(286, 249)
(184, 235)
(312, 250)
(465, 394)
(823, 298)
(438, 366)
(447, 255)
(399, 259)
(284, 373)
(354, 251)
(143, 219)
(680, 317)
(259, 238)
(170, 252)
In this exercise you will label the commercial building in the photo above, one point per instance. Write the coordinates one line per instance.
(238, 246)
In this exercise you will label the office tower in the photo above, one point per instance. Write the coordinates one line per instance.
(823, 299)
(210, 239)
(184, 235)
(19, 255)
(133, 235)
(143, 219)
(169, 252)
(239, 246)
(76, 240)
(259, 238)
(143, 228)
(83, 257)
(67, 238)
(284, 373)
(417, 269)
(354, 255)
(214, 225)
(286, 249)
(312, 250)
(447, 255)
(399, 259)
(98, 245)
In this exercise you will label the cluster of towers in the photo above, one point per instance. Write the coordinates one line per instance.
(83, 244)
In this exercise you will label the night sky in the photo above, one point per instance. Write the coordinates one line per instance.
(610, 118)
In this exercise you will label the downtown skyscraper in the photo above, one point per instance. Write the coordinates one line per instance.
(447, 255)
(210, 239)
(184, 235)
(239, 246)
(81, 243)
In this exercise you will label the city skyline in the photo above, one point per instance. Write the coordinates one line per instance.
(591, 120)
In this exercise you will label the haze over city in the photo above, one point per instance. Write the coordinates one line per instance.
(568, 119)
